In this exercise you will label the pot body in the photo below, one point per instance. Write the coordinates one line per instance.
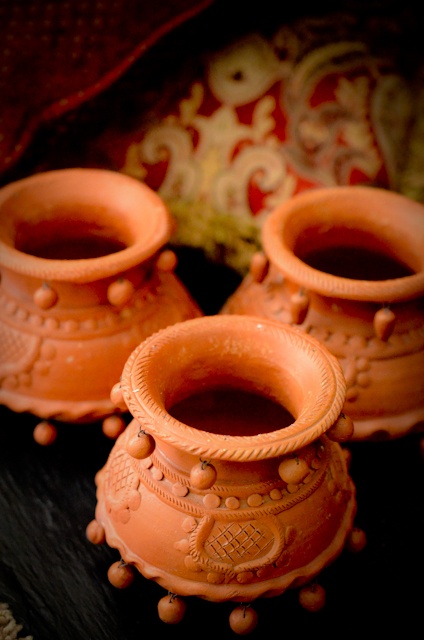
(244, 489)
(345, 264)
(84, 278)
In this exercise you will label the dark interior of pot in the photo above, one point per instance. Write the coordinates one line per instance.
(350, 253)
(69, 235)
(231, 411)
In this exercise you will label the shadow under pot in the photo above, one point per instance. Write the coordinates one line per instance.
(84, 278)
(346, 265)
(230, 483)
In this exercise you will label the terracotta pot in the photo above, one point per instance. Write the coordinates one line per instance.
(346, 264)
(83, 281)
(229, 484)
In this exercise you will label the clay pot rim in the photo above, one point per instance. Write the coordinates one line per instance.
(307, 427)
(361, 199)
(137, 198)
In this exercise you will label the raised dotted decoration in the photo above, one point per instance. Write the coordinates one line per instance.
(211, 501)
(179, 489)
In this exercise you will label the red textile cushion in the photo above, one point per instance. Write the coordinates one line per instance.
(56, 54)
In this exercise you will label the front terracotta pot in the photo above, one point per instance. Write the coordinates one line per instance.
(346, 264)
(230, 483)
(83, 281)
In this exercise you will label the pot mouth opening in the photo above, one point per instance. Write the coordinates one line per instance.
(231, 410)
(80, 224)
(351, 254)
(356, 243)
(234, 387)
(69, 237)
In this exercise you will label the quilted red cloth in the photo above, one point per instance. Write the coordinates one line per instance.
(56, 54)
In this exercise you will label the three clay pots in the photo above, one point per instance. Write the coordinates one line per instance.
(346, 265)
(85, 277)
(230, 483)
